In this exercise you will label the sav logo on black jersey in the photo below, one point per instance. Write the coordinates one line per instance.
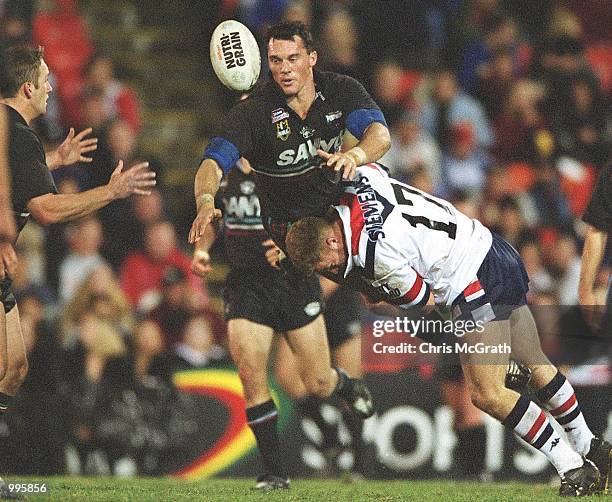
(308, 150)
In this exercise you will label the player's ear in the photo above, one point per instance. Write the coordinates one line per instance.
(27, 89)
(313, 58)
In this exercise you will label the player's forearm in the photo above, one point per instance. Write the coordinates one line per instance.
(207, 183)
(5, 177)
(56, 208)
(374, 143)
(592, 256)
(206, 240)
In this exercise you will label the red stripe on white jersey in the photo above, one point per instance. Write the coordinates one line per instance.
(473, 291)
(357, 220)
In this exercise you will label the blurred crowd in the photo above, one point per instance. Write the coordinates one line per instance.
(501, 107)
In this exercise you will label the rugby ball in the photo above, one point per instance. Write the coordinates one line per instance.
(234, 55)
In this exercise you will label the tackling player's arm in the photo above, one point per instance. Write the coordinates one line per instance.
(7, 222)
(53, 208)
(592, 256)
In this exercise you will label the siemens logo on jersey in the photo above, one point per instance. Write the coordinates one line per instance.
(308, 149)
(370, 207)
(242, 206)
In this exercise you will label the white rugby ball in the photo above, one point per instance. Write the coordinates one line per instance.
(234, 55)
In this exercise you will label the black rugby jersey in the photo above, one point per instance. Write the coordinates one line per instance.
(243, 230)
(599, 210)
(30, 175)
(281, 147)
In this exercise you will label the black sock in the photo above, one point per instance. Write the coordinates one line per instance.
(262, 420)
(355, 427)
(471, 450)
(310, 407)
(344, 387)
(5, 402)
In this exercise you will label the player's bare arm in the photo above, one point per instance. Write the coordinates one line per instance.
(72, 149)
(592, 256)
(7, 222)
(8, 260)
(54, 208)
(373, 145)
(200, 262)
(273, 253)
(206, 186)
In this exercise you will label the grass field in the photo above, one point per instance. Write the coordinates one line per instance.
(171, 490)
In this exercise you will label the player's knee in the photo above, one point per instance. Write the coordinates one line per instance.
(485, 398)
(17, 370)
(317, 385)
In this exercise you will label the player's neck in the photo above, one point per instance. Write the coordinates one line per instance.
(303, 100)
(20, 107)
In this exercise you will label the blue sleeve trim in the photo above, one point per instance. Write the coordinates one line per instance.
(223, 152)
(359, 120)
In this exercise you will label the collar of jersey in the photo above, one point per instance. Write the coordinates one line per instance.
(345, 216)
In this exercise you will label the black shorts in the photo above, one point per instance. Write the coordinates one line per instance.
(265, 297)
(342, 316)
(500, 287)
(6, 295)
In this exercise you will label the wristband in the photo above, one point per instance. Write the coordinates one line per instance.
(358, 155)
(205, 198)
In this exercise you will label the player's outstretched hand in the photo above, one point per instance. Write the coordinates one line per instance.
(8, 260)
(138, 180)
(200, 263)
(74, 147)
(340, 161)
(205, 215)
(273, 253)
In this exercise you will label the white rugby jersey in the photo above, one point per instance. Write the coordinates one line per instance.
(408, 242)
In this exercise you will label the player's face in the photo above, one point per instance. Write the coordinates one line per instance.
(41, 90)
(290, 64)
(332, 258)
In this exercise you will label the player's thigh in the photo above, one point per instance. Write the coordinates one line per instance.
(249, 344)
(310, 348)
(347, 356)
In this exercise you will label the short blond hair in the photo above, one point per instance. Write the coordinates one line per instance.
(305, 242)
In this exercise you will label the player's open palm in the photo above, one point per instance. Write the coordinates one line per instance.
(74, 147)
(138, 179)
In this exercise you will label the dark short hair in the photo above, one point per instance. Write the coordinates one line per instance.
(289, 29)
(24, 64)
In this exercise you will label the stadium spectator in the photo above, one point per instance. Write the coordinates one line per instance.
(464, 165)
(412, 147)
(493, 86)
(196, 348)
(143, 270)
(521, 130)
(120, 101)
(84, 363)
(566, 267)
(448, 105)
(540, 280)
(101, 294)
(62, 31)
(84, 241)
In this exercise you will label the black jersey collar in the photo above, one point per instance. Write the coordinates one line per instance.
(15, 116)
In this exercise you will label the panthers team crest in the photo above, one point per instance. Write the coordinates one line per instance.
(283, 130)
